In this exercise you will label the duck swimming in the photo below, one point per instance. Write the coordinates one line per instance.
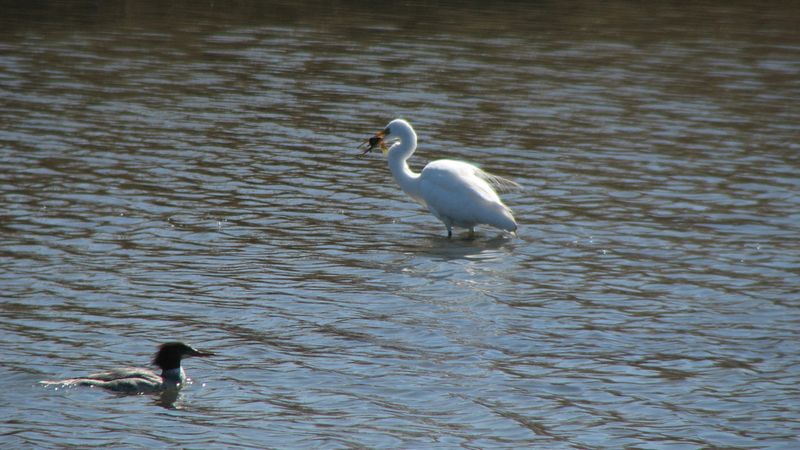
(141, 380)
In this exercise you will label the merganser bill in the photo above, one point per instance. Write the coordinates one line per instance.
(141, 380)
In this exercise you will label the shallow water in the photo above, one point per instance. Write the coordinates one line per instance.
(189, 172)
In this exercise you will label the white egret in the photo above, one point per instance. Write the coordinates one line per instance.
(457, 193)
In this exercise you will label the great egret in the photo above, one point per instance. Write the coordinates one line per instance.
(457, 193)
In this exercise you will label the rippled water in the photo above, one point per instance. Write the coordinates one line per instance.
(189, 172)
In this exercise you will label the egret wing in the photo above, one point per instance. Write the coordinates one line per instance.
(498, 182)
(456, 194)
(458, 176)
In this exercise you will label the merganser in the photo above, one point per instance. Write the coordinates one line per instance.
(140, 380)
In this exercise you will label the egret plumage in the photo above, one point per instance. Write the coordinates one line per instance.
(457, 193)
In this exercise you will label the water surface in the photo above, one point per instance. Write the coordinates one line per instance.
(189, 172)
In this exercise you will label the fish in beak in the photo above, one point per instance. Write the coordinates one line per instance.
(375, 141)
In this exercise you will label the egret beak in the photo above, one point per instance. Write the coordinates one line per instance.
(374, 141)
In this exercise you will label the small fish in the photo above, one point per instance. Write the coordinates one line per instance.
(374, 141)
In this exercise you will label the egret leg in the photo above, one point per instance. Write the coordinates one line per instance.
(449, 232)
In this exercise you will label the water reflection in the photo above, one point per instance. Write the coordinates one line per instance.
(169, 399)
(489, 245)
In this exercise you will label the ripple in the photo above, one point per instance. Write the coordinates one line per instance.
(197, 179)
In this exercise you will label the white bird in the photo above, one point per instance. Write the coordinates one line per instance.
(457, 193)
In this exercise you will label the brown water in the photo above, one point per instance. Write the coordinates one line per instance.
(188, 171)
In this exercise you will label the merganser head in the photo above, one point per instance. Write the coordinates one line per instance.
(169, 355)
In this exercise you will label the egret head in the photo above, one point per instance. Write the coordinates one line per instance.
(398, 128)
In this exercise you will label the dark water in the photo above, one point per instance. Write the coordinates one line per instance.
(188, 171)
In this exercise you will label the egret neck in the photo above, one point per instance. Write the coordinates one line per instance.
(398, 156)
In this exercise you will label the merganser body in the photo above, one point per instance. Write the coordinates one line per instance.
(141, 380)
